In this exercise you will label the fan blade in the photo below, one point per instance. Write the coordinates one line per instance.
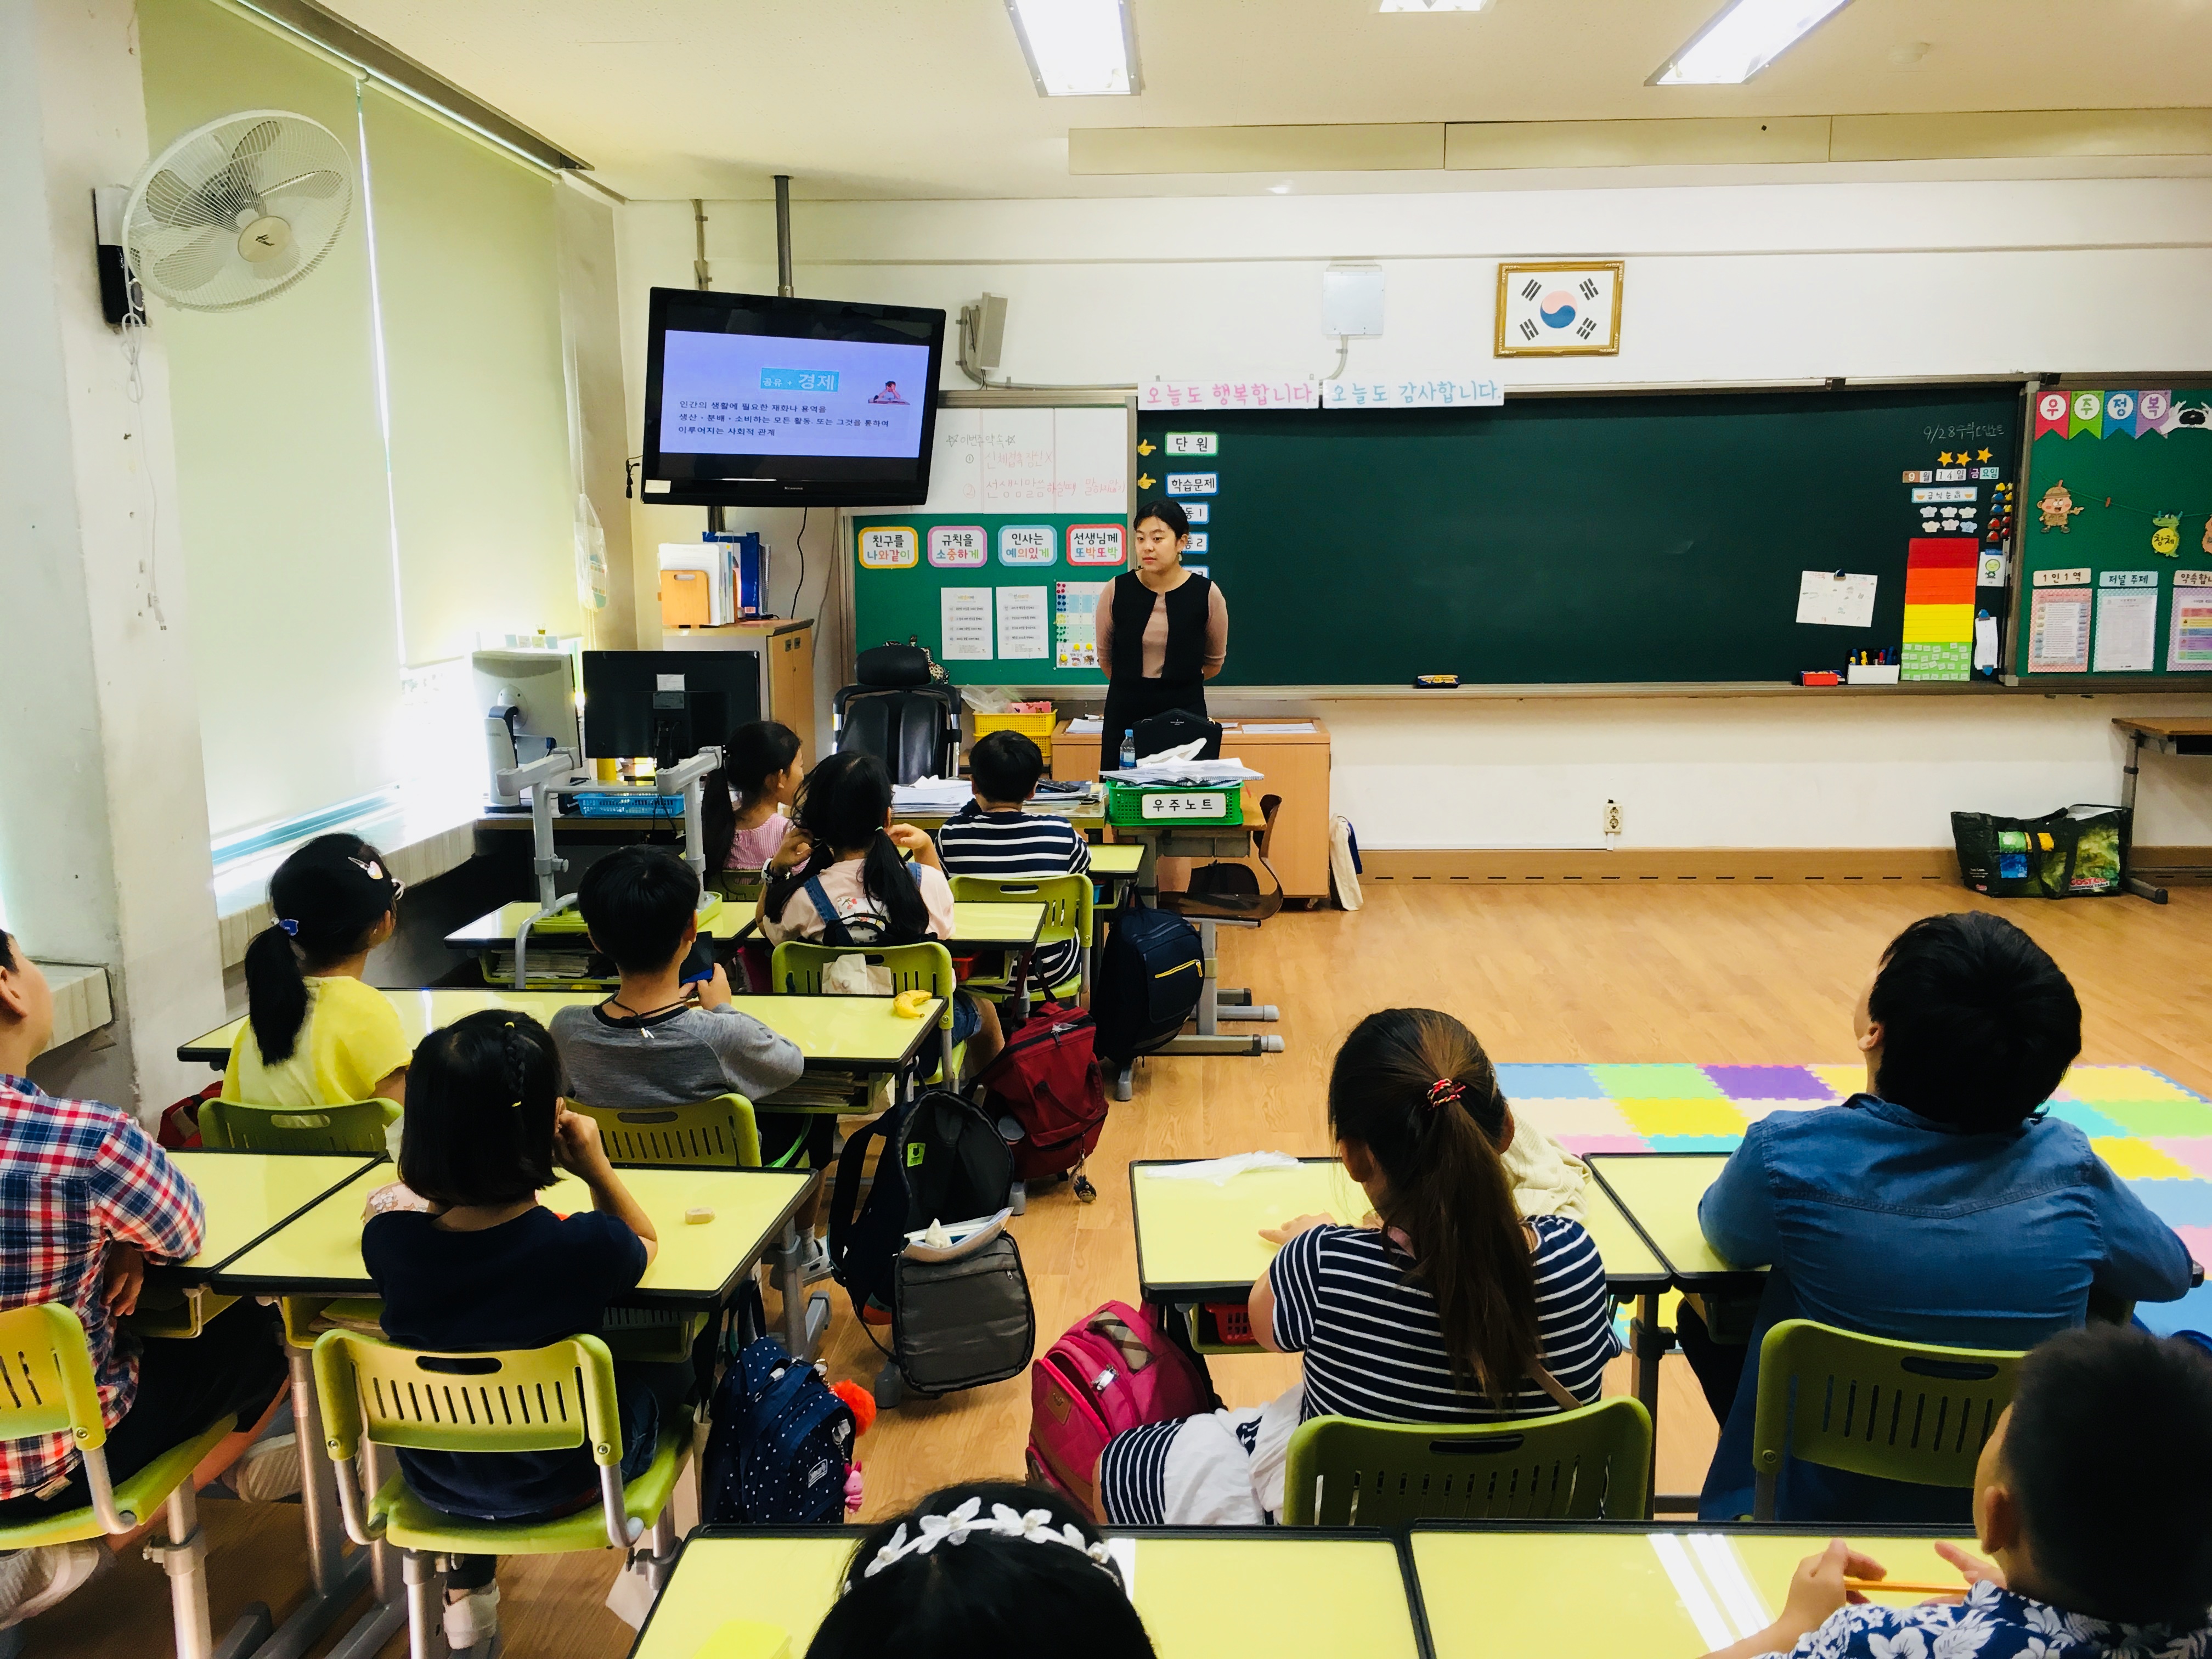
(321, 185)
(279, 267)
(174, 202)
(253, 143)
(192, 265)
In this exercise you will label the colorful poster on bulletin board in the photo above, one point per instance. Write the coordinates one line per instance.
(2116, 515)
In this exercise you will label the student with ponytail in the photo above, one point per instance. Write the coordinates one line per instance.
(1446, 1306)
(316, 1034)
(741, 813)
(843, 878)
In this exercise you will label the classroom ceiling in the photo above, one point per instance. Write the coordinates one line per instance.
(931, 98)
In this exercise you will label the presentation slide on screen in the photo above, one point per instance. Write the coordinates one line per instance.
(758, 394)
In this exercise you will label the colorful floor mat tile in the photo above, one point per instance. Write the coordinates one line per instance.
(2156, 1135)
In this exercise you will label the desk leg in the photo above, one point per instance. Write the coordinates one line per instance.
(335, 1579)
(2129, 770)
(802, 1324)
(1208, 1038)
(1649, 1344)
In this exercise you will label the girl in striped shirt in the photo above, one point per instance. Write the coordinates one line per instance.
(1444, 1306)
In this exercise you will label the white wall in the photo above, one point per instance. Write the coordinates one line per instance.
(1759, 282)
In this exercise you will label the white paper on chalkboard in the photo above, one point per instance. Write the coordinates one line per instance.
(965, 615)
(1031, 460)
(2127, 631)
(1835, 598)
(1024, 622)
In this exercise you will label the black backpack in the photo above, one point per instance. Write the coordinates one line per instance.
(943, 1159)
(1148, 983)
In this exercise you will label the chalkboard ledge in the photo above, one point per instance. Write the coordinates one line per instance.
(1227, 697)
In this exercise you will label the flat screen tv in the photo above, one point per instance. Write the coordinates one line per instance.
(752, 400)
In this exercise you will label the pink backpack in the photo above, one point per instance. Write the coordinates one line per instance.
(1113, 1370)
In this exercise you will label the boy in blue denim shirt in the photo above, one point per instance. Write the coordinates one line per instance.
(1939, 1206)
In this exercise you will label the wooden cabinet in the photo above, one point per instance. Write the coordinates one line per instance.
(1297, 768)
(786, 651)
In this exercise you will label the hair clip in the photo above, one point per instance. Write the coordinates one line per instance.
(1036, 1525)
(1444, 1091)
(288, 926)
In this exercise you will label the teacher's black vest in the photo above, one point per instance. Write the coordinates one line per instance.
(1188, 607)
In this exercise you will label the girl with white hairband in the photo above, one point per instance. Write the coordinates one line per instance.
(982, 1568)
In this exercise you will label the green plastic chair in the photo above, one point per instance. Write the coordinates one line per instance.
(1904, 1410)
(795, 970)
(47, 1387)
(548, 1399)
(355, 1125)
(1575, 1465)
(709, 1134)
(1067, 901)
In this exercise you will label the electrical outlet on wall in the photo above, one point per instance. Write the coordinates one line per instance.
(1613, 818)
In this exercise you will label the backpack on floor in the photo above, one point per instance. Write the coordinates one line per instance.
(962, 1317)
(1148, 983)
(1113, 1370)
(780, 1445)
(1044, 1093)
(943, 1159)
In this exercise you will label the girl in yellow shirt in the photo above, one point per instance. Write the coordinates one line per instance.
(316, 1034)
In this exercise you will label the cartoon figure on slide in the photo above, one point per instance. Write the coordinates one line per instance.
(2057, 507)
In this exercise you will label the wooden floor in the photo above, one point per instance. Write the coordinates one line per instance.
(1542, 973)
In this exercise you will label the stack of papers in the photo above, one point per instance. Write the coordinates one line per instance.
(1086, 726)
(1279, 726)
(1191, 773)
(931, 795)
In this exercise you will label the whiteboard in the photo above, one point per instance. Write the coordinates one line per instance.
(1046, 460)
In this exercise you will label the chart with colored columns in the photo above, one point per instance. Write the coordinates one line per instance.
(1939, 607)
(2155, 1135)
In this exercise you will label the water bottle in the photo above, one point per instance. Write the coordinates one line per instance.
(1128, 747)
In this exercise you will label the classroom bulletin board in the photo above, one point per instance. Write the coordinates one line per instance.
(999, 572)
(2116, 534)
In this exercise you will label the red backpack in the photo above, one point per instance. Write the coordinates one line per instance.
(1112, 1370)
(1044, 1091)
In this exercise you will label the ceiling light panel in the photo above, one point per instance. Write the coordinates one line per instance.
(1742, 39)
(1078, 48)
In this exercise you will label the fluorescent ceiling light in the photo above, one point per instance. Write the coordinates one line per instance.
(1078, 48)
(1434, 5)
(1742, 39)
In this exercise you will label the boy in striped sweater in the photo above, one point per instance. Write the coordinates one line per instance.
(992, 835)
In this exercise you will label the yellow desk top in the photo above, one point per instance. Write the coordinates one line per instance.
(1660, 1192)
(320, 1252)
(1116, 860)
(499, 927)
(995, 924)
(1489, 1594)
(1200, 1596)
(1194, 1239)
(247, 1195)
(852, 1033)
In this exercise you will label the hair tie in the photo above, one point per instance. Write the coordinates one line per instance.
(1443, 1093)
(288, 926)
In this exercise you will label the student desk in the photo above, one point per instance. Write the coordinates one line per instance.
(249, 1195)
(1502, 1589)
(1200, 1243)
(2160, 736)
(984, 923)
(1201, 1593)
(1659, 1193)
(848, 1034)
(996, 925)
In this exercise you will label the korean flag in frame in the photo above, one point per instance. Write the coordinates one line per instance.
(1566, 308)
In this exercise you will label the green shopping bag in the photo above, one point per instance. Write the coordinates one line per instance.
(2076, 852)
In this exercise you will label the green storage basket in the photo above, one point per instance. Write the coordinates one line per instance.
(1125, 804)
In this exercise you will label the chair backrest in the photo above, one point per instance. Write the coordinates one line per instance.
(709, 1134)
(914, 731)
(1067, 899)
(547, 1399)
(355, 1126)
(1898, 1410)
(796, 969)
(1577, 1466)
(46, 1381)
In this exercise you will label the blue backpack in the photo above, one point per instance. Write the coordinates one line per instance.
(781, 1443)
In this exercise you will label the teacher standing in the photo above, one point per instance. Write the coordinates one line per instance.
(1162, 631)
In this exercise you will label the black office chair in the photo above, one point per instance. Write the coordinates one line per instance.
(900, 713)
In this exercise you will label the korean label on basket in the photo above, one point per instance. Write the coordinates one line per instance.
(1202, 804)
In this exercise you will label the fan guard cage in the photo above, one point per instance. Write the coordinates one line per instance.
(238, 210)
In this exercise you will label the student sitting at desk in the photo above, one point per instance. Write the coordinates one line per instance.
(1452, 1309)
(742, 821)
(316, 1034)
(86, 1197)
(2093, 1497)
(981, 1568)
(483, 1264)
(1939, 1207)
(839, 879)
(992, 835)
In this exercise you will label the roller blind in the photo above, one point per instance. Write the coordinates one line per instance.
(280, 467)
(483, 489)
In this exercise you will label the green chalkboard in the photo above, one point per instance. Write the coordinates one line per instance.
(1637, 537)
(2116, 535)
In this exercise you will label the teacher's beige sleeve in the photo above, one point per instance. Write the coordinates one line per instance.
(1102, 628)
(1217, 629)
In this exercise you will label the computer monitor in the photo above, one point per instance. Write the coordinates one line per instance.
(534, 692)
(667, 704)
